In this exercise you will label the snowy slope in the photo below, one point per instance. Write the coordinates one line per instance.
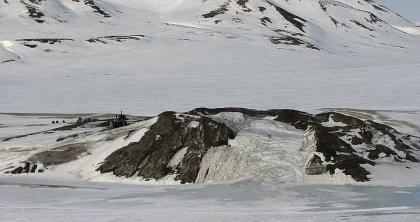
(282, 50)
(327, 25)
(414, 30)
(36, 199)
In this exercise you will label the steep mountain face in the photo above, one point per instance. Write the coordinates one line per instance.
(229, 144)
(66, 26)
(175, 143)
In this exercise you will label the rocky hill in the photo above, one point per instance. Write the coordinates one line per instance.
(67, 26)
(229, 144)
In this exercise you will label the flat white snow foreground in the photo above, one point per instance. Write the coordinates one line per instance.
(40, 199)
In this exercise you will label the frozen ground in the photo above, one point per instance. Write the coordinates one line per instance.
(323, 81)
(23, 199)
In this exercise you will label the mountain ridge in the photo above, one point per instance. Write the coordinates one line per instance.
(327, 25)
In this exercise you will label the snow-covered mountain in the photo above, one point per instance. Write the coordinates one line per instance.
(152, 49)
(68, 26)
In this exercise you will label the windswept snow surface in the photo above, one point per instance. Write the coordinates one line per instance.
(257, 79)
(23, 199)
(414, 30)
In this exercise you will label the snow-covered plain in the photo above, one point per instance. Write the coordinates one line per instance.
(24, 199)
(324, 81)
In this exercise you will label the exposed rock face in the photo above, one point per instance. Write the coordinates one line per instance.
(175, 144)
(346, 143)
(56, 156)
(59, 155)
(331, 153)
(27, 167)
(340, 142)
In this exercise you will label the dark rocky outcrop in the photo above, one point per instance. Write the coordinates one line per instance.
(370, 135)
(374, 154)
(26, 167)
(350, 142)
(59, 155)
(297, 21)
(290, 40)
(33, 43)
(117, 38)
(347, 144)
(45, 40)
(56, 156)
(34, 12)
(95, 7)
(177, 142)
(243, 3)
(219, 11)
(351, 165)
(315, 166)
(152, 156)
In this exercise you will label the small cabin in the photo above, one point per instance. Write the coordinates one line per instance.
(81, 120)
(119, 121)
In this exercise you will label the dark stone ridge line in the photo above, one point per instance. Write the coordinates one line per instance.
(33, 11)
(30, 42)
(242, 3)
(290, 40)
(95, 7)
(373, 19)
(361, 25)
(45, 40)
(118, 38)
(265, 20)
(297, 21)
(8, 60)
(219, 11)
